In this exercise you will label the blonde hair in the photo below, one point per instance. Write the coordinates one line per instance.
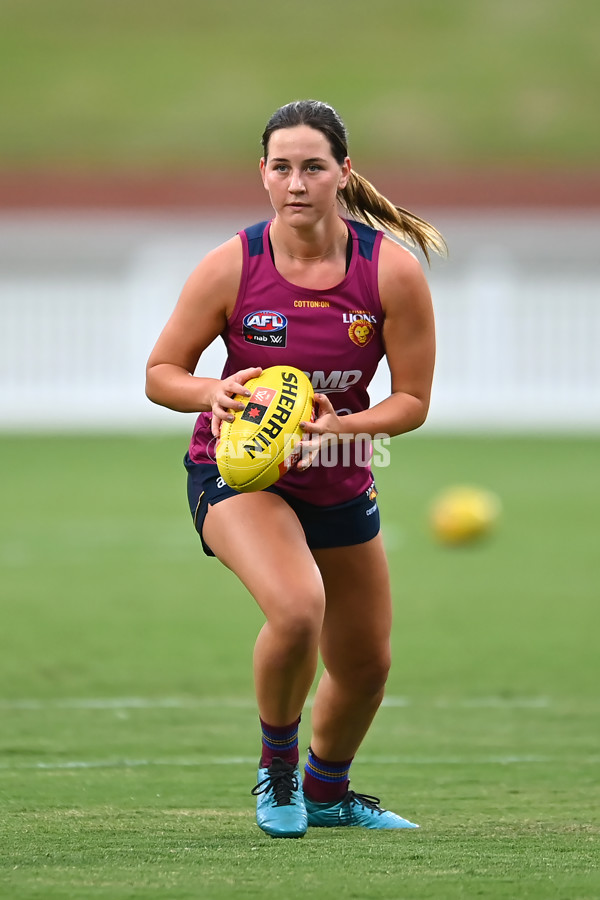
(360, 198)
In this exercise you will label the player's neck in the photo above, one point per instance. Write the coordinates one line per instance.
(311, 249)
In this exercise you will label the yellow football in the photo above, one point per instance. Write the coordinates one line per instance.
(261, 443)
(464, 513)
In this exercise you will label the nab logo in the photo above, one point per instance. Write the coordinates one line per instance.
(265, 327)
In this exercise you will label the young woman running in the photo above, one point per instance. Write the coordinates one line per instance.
(330, 294)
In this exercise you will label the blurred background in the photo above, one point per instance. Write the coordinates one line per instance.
(130, 147)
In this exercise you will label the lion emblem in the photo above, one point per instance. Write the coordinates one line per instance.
(361, 332)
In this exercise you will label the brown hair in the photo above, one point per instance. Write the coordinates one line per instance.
(359, 197)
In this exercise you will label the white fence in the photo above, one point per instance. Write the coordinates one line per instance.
(82, 300)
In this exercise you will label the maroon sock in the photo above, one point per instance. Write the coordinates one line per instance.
(325, 781)
(281, 741)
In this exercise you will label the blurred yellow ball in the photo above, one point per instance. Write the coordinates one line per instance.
(464, 513)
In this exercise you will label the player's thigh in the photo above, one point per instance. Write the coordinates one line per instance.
(358, 615)
(258, 536)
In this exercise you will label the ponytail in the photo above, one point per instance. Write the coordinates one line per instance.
(362, 199)
(359, 197)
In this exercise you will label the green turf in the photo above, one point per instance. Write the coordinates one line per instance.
(148, 84)
(126, 684)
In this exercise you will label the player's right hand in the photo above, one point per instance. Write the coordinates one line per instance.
(222, 402)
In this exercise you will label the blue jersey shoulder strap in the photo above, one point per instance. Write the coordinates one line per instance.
(366, 238)
(255, 238)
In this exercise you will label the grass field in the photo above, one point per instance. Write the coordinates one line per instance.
(129, 739)
(151, 85)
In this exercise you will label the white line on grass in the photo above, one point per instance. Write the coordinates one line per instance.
(130, 703)
(116, 703)
(177, 762)
(496, 703)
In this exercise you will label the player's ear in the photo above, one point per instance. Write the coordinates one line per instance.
(345, 173)
(263, 171)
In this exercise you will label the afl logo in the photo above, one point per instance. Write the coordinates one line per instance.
(265, 327)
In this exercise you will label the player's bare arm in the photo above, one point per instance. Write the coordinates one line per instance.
(207, 299)
(409, 339)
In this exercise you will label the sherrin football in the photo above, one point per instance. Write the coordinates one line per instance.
(260, 445)
(464, 513)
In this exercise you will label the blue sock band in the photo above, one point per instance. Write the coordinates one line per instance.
(330, 772)
(279, 741)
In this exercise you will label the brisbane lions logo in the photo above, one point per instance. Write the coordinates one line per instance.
(361, 326)
(361, 332)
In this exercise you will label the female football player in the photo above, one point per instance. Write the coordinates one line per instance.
(319, 287)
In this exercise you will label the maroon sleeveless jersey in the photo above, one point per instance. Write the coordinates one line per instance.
(334, 335)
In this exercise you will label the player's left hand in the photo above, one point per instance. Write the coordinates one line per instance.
(323, 431)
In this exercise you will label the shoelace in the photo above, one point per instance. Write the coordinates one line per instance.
(366, 800)
(282, 781)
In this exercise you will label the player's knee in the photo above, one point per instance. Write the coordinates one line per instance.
(375, 675)
(300, 617)
(304, 621)
(368, 675)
